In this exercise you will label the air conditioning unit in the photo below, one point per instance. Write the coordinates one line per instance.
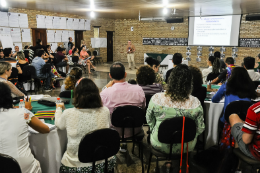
(153, 19)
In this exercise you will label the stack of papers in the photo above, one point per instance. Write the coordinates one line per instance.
(38, 97)
(52, 127)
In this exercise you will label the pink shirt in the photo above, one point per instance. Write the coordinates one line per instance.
(121, 94)
(83, 53)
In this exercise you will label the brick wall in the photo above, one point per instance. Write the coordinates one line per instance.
(249, 29)
(106, 25)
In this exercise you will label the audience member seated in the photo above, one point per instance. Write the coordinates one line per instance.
(71, 80)
(176, 102)
(30, 49)
(5, 72)
(145, 78)
(7, 55)
(214, 65)
(20, 65)
(120, 93)
(88, 115)
(48, 52)
(177, 59)
(132, 81)
(84, 59)
(225, 73)
(14, 137)
(238, 87)
(2, 54)
(222, 63)
(61, 59)
(246, 133)
(198, 90)
(14, 54)
(155, 64)
(249, 64)
(38, 63)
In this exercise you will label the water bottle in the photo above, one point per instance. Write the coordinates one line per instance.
(258, 89)
(58, 102)
(21, 104)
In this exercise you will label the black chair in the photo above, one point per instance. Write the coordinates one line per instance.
(170, 132)
(97, 59)
(29, 73)
(98, 145)
(148, 98)
(130, 117)
(211, 76)
(65, 94)
(46, 68)
(237, 107)
(256, 83)
(14, 75)
(9, 164)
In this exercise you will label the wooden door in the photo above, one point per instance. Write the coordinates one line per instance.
(78, 38)
(110, 46)
(39, 34)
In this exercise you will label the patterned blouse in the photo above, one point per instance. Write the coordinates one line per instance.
(161, 107)
(160, 80)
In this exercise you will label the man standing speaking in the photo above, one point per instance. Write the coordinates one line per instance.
(130, 49)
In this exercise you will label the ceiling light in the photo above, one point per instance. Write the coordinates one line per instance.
(3, 3)
(165, 2)
(165, 11)
(92, 14)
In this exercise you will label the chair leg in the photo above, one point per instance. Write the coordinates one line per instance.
(142, 159)
(133, 149)
(149, 164)
(157, 165)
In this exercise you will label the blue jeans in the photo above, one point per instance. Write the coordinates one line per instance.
(48, 77)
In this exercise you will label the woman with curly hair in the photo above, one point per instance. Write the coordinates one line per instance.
(176, 102)
(155, 65)
(71, 80)
(145, 77)
(198, 90)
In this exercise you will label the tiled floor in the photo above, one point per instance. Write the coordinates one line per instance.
(133, 163)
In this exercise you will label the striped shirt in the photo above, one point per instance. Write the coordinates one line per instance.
(252, 126)
(152, 89)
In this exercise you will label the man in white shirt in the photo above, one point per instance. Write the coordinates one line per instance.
(249, 64)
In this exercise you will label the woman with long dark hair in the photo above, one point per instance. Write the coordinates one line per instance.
(239, 86)
(214, 67)
(88, 115)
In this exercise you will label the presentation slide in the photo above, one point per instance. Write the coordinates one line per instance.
(214, 30)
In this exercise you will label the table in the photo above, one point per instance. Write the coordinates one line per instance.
(48, 149)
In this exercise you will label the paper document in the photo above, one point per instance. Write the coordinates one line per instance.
(4, 19)
(6, 40)
(53, 46)
(65, 36)
(40, 21)
(13, 19)
(76, 24)
(87, 25)
(16, 35)
(23, 20)
(71, 34)
(57, 36)
(56, 22)
(50, 36)
(63, 23)
(81, 24)
(69, 23)
(48, 22)
(26, 35)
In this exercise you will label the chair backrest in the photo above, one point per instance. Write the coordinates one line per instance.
(128, 116)
(65, 94)
(94, 53)
(170, 130)
(98, 145)
(9, 164)
(46, 68)
(14, 73)
(75, 59)
(256, 84)
(29, 70)
(239, 107)
(211, 76)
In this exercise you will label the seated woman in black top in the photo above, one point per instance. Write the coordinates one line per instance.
(198, 90)
(20, 65)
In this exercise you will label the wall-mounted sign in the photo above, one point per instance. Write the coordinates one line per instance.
(166, 41)
(249, 42)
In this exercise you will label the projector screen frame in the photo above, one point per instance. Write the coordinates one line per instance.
(238, 44)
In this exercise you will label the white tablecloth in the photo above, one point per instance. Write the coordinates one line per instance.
(213, 111)
(48, 149)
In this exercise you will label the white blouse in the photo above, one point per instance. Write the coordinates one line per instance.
(14, 138)
(206, 72)
(79, 122)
